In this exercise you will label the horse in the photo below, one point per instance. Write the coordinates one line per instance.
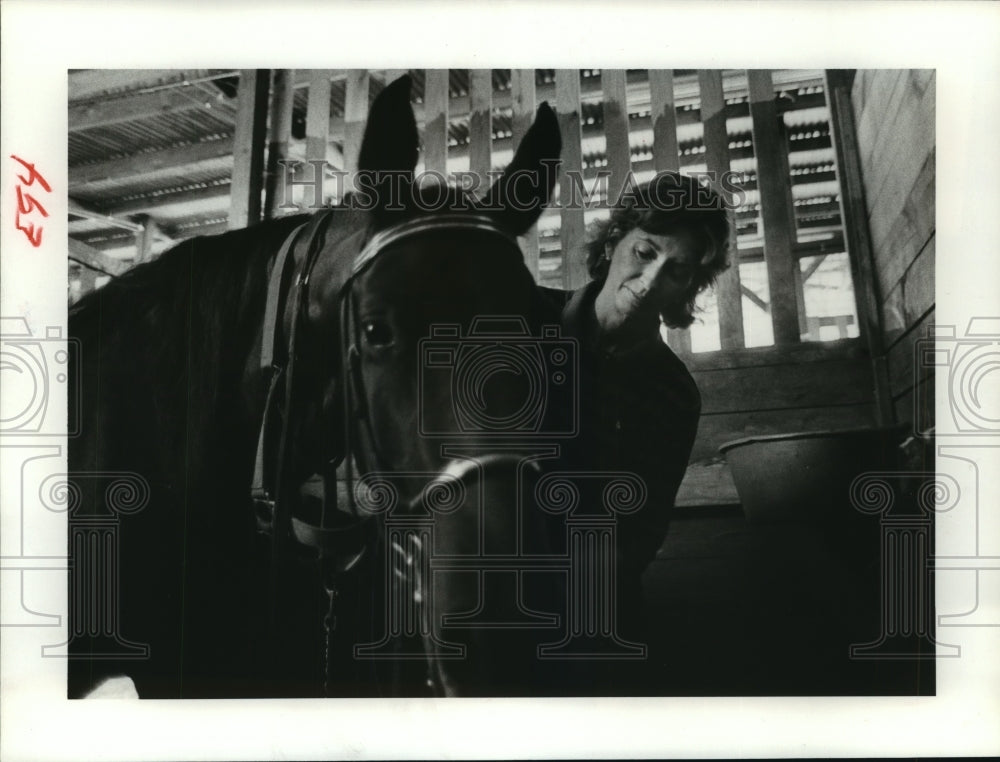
(225, 384)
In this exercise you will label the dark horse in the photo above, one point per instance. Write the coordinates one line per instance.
(201, 591)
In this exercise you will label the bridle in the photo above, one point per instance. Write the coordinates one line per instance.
(339, 547)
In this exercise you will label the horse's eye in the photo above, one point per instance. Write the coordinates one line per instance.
(377, 333)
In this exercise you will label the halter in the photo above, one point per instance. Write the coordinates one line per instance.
(269, 493)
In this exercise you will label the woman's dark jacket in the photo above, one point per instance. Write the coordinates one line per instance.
(638, 412)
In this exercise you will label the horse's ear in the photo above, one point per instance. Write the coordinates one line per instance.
(518, 197)
(391, 143)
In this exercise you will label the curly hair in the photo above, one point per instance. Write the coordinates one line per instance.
(666, 204)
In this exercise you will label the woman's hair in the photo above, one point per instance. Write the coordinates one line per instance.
(668, 203)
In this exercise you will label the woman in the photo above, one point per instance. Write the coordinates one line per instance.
(662, 246)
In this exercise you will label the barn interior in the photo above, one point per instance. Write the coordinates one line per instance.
(813, 335)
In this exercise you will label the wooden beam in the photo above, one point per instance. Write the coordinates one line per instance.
(779, 235)
(355, 114)
(616, 131)
(572, 228)
(481, 125)
(753, 297)
(436, 124)
(282, 100)
(716, 140)
(90, 82)
(150, 204)
(248, 148)
(664, 117)
(318, 115)
(859, 248)
(81, 210)
(95, 259)
(144, 240)
(522, 94)
(138, 165)
(128, 108)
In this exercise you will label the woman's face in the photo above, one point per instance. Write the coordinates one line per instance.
(647, 272)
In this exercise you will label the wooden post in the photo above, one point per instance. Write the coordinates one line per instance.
(522, 93)
(481, 125)
(144, 239)
(716, 140)
(248, 148)
(318, 134)
(355, 114)
(436, 121)
(666, 158)
(571, 231)
(772, 184)
(616, 131)
(282, 100)
(853, 211)
(664, 116)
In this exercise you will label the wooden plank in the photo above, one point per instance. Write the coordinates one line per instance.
(78, 209)
(716, 430)
(355, 114)
(175, 159)
(282, 100)
(144, 239)
(572, 228)
(915, 406)
(918, 284)
(152, 204)
(903, 372)
(129, 108)
(522, 94)
(91, 257)
(790, 354)
(908, 232)
(776, 216)
(481, 125)
(248, 148)
(859, 245)
(616, 131)
(318, 115)
(90, 82)
(710, 484)
(436, 121)
(664, 118)
(843, 382)
(716, 139)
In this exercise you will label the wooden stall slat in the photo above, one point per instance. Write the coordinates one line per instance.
(664, 115)
(572, 227)
(716, 139)
(248, 148)
(481, 125)
(436, 124)
(522, 93)
(355, 114)
(282, 100)
(144, 239)
(318, 115)
(772, 183)
(666, 158)
(616, 131)
(859, 247)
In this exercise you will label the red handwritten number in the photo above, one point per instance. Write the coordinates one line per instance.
(27, 203)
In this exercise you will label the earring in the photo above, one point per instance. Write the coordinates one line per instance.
(607, 251)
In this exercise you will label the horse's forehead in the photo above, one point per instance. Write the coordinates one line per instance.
(445, 263)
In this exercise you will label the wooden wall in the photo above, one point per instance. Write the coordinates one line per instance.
(894, 117)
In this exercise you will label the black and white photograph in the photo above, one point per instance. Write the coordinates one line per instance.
(440, 398)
